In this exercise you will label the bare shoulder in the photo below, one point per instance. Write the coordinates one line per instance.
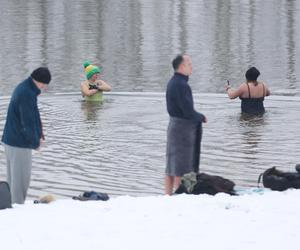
(243, 86)
(101, 82)
(242, 90)
(268, 92)
(104, 86)
(263, 83)
(84, 83)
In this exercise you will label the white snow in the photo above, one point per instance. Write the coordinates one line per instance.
(268, 220)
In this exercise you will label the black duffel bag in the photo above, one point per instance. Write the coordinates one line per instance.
(202, 183)
(278, 180)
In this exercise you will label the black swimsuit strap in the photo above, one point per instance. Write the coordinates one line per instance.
(263, 90)
(249, 90)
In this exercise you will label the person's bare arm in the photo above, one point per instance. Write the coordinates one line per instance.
(102, 85)
(86, 91)
(268, 92)
(234, 93)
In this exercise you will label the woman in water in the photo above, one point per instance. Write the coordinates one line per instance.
(93, 87)
(251, 93)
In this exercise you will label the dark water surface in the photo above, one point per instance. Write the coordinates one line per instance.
(119, 146)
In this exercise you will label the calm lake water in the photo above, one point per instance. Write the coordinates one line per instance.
(118, 147)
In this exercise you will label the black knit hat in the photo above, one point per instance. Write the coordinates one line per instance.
(42, 75)
(252, 74)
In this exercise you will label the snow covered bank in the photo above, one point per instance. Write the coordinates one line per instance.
(251, 221)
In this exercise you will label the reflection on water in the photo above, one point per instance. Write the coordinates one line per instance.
(135, 41)
(251, 127)
(118, 146)
(91, 110)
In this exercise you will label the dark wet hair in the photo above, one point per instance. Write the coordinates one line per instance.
(252, 74)
(177, 61)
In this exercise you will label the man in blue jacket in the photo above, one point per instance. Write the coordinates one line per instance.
(23, 132)
(185, 126)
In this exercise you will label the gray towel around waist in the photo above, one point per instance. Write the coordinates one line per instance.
(183, 146)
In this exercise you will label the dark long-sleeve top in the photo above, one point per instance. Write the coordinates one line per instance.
(23, 126)
(180, 99)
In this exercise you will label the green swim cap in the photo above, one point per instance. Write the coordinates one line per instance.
(90, 69)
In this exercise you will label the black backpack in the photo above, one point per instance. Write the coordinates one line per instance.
(202, 183)
(5, 196)
(278, 180)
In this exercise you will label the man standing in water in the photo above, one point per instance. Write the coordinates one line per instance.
(23, 132)
(185, 126)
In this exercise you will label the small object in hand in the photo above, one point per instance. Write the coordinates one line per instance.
(91, 86)
(228, 85)
(45, 199)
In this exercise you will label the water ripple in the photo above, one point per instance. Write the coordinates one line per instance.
(119, 147)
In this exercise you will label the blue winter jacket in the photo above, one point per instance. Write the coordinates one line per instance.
(23, 126)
